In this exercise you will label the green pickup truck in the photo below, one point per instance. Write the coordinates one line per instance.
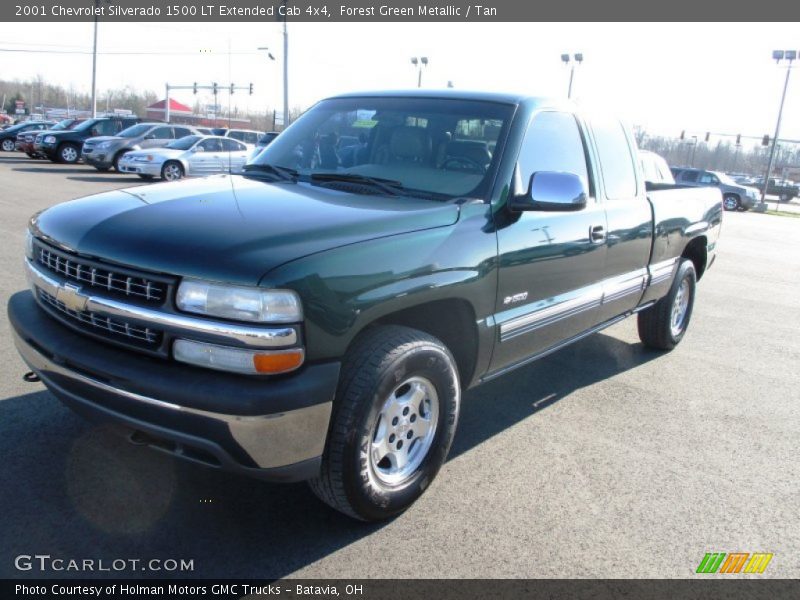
(320, 316)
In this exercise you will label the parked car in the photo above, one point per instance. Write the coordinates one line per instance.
(25, 140)
(263, 141)
(655, 168)
(304, 322)
(248, 136)
(734, 196)
(105, 152)
(784, 189)
(189, 156)
(8, 136)
(65, 145)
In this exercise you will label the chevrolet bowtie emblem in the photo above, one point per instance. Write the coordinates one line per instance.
(70, 295)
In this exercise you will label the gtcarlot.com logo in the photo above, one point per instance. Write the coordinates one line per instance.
(734, 562)
(47, 563)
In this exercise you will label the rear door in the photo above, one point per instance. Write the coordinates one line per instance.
(206, 158)
(157, 137)
(629, 217)
(551, 264)
(234, 155)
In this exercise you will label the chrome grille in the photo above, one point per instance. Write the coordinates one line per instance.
(104, 325)
(74, 269)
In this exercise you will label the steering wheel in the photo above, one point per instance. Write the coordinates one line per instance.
(463, 163)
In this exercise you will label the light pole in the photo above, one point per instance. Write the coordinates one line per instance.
(419, 63)
(94, 57)
(270, 56)
(576, 58)
(779, 55)
(694, 150)
(285, 69)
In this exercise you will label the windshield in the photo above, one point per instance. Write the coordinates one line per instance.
(437, 146)
(724, 178)
(183, 143)
(86, 125)
(65, 124)
(134, 131)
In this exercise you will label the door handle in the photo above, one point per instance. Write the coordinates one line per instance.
(597, 234)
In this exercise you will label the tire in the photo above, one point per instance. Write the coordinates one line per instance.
(392, 378)
(117, 156)
(663, 325)
(731, 202)
(68, 154)
(172, 171)
(146, 177)
(8, 145)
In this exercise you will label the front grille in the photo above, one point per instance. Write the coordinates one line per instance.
(120, 282)
(103, 325)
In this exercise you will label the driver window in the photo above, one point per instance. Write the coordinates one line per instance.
(553, 142)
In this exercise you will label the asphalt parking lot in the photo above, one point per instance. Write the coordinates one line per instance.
(602, 460)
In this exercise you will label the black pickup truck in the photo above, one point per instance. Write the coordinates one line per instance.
(313, 321)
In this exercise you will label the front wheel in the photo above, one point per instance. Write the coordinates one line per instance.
(68, 153)
(393, 421)
(663, 325)
(172, 171)
(731, 202)
(8, 145)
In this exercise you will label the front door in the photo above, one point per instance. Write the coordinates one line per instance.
(550, 263)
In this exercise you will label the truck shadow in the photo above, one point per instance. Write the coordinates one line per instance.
(74, 489)
(64, 169)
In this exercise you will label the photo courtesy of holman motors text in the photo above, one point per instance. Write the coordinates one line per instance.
(413, 299)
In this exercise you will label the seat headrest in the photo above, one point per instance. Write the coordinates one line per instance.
(410, 143)
(473, 150)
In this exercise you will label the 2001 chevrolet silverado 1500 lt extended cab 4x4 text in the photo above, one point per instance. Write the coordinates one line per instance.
(319, 317)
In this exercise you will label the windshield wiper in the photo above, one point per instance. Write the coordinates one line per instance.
(282, 173)
(388, 186)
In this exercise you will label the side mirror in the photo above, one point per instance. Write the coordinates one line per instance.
(552, 191)
(198, 149)
(150, 136)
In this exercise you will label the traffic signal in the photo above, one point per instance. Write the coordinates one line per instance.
(214, 88)
(738, 139)
(708, 135)
(194, 88)
(232, 87)
(683, 134)
(765, 141)
(251, 89)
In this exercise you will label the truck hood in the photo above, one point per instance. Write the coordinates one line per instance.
(228, 228)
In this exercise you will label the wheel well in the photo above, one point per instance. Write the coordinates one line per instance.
(451, 321)
(697, 252)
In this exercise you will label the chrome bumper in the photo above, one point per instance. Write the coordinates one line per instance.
(272, 441)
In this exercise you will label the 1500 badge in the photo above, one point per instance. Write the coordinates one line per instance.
(515, 298)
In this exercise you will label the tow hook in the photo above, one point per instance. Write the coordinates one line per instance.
(31, 377)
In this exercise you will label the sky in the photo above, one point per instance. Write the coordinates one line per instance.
(666, 77)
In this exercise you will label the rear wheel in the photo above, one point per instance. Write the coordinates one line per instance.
(68, 153)
(393, 421)
(172, 171)
(663, 325)
(731, 202)
(8, 145)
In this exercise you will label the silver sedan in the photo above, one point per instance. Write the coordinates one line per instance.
(193, 155)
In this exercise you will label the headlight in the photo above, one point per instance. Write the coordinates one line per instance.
(29, 244)
(240, 303)
(103, 145)
(50, 139)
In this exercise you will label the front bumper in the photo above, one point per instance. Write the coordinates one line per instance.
(96, 158)
(274, 429)
(140, 168)
(48, 150)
